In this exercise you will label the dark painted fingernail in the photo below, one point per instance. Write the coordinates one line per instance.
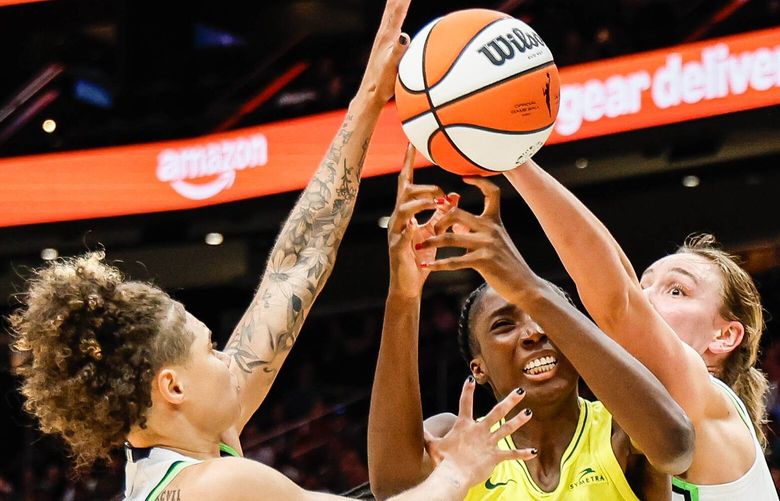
(439, 200)
(403, 40)
(527, 412)
(418, 246)
(534, 451)
(520, 391)
(471, 379)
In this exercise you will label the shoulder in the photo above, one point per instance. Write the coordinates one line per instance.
(439, 425)
(234, 478)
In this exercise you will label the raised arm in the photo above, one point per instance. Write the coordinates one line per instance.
(610, 291)
(396, 452)
(612, 374)
(305, 250)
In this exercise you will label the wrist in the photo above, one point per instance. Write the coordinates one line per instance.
(367, 101)
(453, 476)
(532, 293)
(398, 293)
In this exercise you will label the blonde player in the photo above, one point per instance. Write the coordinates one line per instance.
(694, 319)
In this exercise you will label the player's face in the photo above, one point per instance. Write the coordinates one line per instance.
(210, 388)
(515, 352)
(686, 290)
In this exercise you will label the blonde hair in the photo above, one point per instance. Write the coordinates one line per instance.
(740, 302)
(93, 343)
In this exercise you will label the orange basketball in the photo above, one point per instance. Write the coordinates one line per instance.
(477, 92)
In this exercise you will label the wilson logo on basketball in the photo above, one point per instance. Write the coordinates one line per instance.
(201, 172)
(502, 48)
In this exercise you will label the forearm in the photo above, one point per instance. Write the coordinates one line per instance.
(444, 484)
(606, 282)
(589, 253)
(302, 257)
(396, 446)
(634, 396)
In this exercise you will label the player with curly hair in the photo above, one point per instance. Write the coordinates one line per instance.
(112, 361)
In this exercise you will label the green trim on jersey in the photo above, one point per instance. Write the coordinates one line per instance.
(179, 466)
(229, 450)
(690, 492)
(167, 479)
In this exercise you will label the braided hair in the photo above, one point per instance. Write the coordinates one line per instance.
(466, 342)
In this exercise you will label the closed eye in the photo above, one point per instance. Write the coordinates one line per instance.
(501, 324)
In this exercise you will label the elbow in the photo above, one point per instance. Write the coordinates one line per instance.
(677, 448)
(613, 309)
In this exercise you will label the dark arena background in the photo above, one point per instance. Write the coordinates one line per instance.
(106, 87)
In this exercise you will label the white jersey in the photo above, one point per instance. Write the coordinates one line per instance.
(755, 485)
(149, 471)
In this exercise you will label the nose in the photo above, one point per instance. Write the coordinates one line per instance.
(532, 334)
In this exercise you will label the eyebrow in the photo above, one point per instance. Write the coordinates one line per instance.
(504, 310)
(679, 270)
(686, 273)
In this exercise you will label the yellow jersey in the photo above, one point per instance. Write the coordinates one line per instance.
(589, 469)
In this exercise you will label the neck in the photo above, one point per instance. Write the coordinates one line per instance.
(176, 433)
(550, 430)
(714, 363)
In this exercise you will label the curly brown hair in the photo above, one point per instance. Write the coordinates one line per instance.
(741, 302)
(93, 343)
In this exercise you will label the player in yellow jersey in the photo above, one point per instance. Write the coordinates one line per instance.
(518, 331)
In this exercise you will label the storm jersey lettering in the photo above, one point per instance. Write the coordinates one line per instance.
(589, 469)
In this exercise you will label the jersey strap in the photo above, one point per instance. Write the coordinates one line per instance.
(688, 491)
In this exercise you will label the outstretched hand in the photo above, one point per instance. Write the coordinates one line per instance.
(470, 447)
(404, 232)
(389, 45)
(489, 249)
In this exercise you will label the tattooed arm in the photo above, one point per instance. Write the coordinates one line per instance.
(305, 251)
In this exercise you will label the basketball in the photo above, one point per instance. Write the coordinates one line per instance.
(477, 92)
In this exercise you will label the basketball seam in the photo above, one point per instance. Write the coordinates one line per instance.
(434, 109)
(400, 79)
(500, 131)
(428, 95)
(455, 61)
(444, 131)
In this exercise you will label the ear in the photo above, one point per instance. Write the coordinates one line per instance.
(170, 386)
(477, 366)
(731, 335)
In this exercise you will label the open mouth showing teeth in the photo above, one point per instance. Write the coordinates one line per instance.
(540, 365)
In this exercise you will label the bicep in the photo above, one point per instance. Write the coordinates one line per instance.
(682, 371)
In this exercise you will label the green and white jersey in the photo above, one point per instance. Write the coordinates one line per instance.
(755, 485)
(149, 471)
